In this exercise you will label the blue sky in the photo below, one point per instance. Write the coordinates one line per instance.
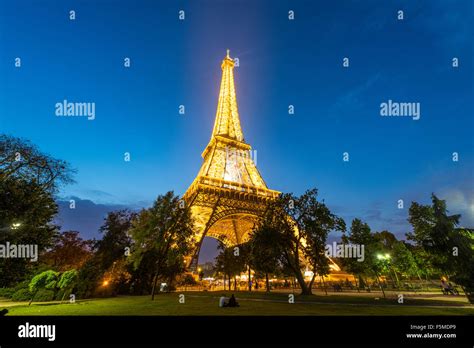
(282, 62)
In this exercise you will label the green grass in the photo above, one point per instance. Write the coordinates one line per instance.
(202, 303)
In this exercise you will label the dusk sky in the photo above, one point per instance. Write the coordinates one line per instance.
(282, 62)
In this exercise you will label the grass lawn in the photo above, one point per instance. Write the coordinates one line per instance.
(206, 303)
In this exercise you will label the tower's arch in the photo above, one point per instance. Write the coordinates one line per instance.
(234, 228)
(230, 229)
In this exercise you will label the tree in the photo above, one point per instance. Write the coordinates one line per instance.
(316, 221)
(359, 234)
(264, 255)
(423, 262)
(109, 254)
(26, 214)
(187, 280)
(116, 237)
(117, 277)
(403, 260)
(230, 264)
(19, 159)
(386, 242)
(28, 181)
(449, 248)
(375, 262)
(244, 262)
(163, 235)
(288, 237)
(45, 280)
(69, 251)
(67, 281)
(301, 225)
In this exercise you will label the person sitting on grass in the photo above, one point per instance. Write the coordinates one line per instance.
(232, 302)
(445, 288)
(453, 289)
(223, 301)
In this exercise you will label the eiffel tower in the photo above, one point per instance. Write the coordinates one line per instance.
(228, 194)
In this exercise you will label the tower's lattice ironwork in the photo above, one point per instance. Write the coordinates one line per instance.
(228, 194)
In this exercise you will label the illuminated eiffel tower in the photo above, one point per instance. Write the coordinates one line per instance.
(228, 193)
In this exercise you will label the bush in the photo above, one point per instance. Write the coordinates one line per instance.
(187, 280)
(22, 285)
(47, 279)
(65, 293)
(22, 295)
(44, 295)
(7, 292)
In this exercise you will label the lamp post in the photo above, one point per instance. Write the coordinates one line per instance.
(382, 257)
(386, 258)
(200, 273)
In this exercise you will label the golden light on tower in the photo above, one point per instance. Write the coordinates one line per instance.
(228, 194)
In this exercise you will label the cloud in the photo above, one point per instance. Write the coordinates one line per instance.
(102, 197)
(460, 202)
(86, 217)
(378, 215)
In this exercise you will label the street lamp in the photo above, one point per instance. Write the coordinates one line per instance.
(383, 257)
(16, 225)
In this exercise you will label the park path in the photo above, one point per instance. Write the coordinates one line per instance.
(5, 303)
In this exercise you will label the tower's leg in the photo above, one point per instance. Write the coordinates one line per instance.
(192, 263)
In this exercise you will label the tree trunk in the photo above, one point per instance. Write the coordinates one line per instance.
(324, 286)
(380, 285)
(312, 281)
(235, 283)
(394, 283)
(155, 280)
(55, 293)
(356, 284)
(468, 293)
(421, 281)
(250, 281)
(396, 278)
(267, 282)
(32, 297)
(64, 295)
(303, 286)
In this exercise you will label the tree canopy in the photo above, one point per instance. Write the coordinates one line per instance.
(163, 236)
